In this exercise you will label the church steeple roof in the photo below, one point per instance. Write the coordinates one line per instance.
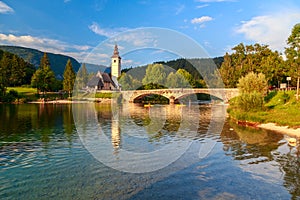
(116, 52)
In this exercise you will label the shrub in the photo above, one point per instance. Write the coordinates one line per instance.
(11, 96)
(250, 101)
(253, 83)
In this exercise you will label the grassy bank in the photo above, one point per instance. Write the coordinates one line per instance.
(27, 94)
(280, 107)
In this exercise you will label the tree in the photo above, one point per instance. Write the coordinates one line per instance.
(293, 54)
(18, 71)
(44, 78)
(252, 58)
(227, 72)
(185, 79)
(252, 87)
(172, 80)
(69, 77)
(5, 65)
(253, 82)
(155, 76)
(82, 77)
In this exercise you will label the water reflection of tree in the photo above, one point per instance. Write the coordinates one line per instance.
(33, 122)
(290, 164)
(248, 143)
(68, 122)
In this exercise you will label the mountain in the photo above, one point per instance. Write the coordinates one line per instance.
(57, 61)
(92, 68)
(195, 66)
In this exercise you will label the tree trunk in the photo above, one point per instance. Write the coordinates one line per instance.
(297, 96)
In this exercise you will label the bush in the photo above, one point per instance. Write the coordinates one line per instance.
(11, 96)
(253, 83)
(250, 101)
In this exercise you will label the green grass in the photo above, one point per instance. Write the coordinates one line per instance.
(28, 94)
(281, 108)
(23, 90)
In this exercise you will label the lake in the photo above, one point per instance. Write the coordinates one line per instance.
(110, 151)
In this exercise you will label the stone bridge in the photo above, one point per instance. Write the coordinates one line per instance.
(224, 94)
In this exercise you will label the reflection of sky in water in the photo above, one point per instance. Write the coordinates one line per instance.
(44, 158)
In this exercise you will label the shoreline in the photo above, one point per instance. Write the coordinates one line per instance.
(286, 130)
(65, 101)
(281, 129)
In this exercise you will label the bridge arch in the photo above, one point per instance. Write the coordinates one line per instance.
(137, 97)
(175, 94)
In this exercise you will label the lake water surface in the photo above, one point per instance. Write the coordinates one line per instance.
(56, 152)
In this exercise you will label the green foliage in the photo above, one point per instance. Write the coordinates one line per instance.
(14, 71)
(192, 66)
(277, 99)
(293, 51)
(155, 74)
(151, 86)
(253, 88)
(43, 79)
(282, 108)
(69, 77)
(172, 80)
(9, 97)
(127, 82)
(104, 95)
(253, 83)
(252, 58)
(179, 79)
(34, 56)
(185, 79)
(250, 101)
(82, 77)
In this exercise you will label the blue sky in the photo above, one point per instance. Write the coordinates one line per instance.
(76, 27)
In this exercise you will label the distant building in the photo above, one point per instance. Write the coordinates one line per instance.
(106, 81)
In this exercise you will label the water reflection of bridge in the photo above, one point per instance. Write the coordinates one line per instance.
(174, 94)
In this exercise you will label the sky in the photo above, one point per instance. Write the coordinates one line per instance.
(87, 30)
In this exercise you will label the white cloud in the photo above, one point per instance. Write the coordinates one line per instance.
(272, 30)
(179, 9)
(138, 39)
(66, 1)
(202, 6)
(129, 63)
(4, 8)
(105, 31)
(201, 20)
(45, 44)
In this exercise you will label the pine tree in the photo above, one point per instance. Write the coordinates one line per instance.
(69, 78)
(5, 66)
(82, 77)
(43, 79)
(18, 71)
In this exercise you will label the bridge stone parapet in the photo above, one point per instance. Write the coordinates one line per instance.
(224, 94)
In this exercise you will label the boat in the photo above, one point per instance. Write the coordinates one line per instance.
(292, 142)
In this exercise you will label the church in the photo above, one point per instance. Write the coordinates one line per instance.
(105, 81)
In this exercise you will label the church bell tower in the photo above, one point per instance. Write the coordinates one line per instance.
(116, 63)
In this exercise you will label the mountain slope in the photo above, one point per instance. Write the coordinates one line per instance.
(58, 62)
